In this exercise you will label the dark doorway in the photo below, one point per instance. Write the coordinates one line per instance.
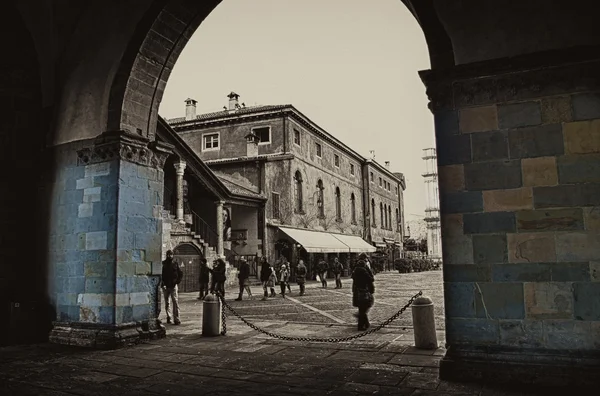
(189, 257)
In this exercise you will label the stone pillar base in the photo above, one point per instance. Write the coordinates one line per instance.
(522, 367)
(90, 335)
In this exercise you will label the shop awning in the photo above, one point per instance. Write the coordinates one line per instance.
(380, 244)
(315, 241)
(355, 243)
(390, 241)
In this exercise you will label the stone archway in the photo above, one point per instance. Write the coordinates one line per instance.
(189, 257)
(517, 138)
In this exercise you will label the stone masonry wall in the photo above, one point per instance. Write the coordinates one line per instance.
(519, 171)
(82, 240)
(139, 241)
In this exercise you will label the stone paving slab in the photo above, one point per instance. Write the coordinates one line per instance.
(244, 362)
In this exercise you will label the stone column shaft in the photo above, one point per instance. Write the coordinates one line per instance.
(179, 171)
(220, 228)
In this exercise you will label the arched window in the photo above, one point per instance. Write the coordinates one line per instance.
(320, 201)
(381, 214)
(373, 212)
(299, 207)
(386, 216)
(397, 220)
(390, 218)
(338, 204)
(353, 208)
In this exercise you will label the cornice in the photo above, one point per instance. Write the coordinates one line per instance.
(512, 79)
(124, 146)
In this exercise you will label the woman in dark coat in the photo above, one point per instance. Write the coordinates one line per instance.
(266, 277)
(362, 293)
(203, 277)
(218, 278)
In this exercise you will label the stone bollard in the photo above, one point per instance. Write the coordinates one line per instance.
(211, 316)
(424, 323)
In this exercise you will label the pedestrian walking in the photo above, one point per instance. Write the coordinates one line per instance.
(171, 277)
(218, 277)
(284, 275)
(301, 276)
(362, 293)
(322, 268)
(337, 269)
(203, 278)
(243, 276)
(267, 278)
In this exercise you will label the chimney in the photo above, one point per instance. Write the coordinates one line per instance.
(387, 165)
(190, 109)
(252, 145)
(233, 101)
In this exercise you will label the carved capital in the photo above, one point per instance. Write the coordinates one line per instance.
(179, 167)
(121, 145)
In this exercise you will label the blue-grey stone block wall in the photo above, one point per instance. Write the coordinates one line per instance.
(82, 238)
(519, 174)
(138, 242)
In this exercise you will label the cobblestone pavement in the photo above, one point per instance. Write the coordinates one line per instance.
(245, 362)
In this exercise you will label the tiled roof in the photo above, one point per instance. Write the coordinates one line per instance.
(236, 188)
(225, 113)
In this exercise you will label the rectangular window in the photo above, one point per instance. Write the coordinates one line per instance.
(336, 160)
(275, 205)
(372, 178)
(352, 169)
(319, 150)
(380, 182)
(296, 137)
(263, 133)
(396, 190)
(211, 141)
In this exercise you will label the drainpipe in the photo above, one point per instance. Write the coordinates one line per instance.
(285, 134)
(366, 201)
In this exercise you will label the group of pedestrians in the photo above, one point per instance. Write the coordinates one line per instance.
(362, 282)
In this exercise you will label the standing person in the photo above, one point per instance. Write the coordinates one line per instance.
(362, 293)
(322, 271)
(243, 276)
(203, 278)
(301, 276)
(337, 269)
(284, 275)
(289, 267)
(265, 276)
(363, 256)
(218, 277)
(171, 276)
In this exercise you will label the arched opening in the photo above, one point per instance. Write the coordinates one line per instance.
(373, 212)
(353, 208)
(381, 215)
(338, 204)
(188, 255)
(320, 199)
(299, 203)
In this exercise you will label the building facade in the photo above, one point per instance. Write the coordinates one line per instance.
(312, 181)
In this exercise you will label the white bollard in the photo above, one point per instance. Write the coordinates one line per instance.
(424, 323)
(211, 316)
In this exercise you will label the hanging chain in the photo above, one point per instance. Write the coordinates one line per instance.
(223, 314)
(310, 339)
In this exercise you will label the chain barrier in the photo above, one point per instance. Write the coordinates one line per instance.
(310, 339)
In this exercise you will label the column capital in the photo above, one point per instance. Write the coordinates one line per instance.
(220, 202)
(124, 146)
(179, 167)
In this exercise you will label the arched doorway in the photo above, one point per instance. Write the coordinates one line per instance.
(189, 257)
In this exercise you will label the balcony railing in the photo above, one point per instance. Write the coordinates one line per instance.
(205, 231)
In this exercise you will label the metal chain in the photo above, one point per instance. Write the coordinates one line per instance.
(309, 339)
(223, 314)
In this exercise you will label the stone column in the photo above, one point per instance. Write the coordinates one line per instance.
(105, 253)
(220, 228)
(518, 157)
(179, 171)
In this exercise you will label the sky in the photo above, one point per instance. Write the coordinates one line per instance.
(348, 65)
